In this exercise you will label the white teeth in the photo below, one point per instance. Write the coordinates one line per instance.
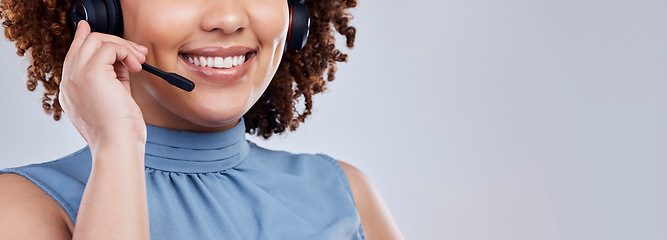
(228, 62)
(202, 61)
(217, 62)
(209, 62)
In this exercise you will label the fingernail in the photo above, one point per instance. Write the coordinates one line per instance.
(77, 23)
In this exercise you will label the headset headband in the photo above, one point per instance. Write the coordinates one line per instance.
(106, 16)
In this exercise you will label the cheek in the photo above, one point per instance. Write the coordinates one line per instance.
(269, 22)
(148, 24)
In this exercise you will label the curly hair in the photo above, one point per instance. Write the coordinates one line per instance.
(40, 29)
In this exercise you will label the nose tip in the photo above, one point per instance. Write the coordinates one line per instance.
(228, 17)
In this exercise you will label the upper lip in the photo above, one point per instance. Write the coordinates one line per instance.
(219, 51)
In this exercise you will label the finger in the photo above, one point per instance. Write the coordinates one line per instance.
(130, 61)
(121, 72)
(143, 49)
(96, 40)
(82, 31)
(110, 53)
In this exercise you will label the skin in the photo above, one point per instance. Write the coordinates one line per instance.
(260, 25)
(119, 100)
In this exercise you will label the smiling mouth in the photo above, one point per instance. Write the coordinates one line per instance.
(217, 62)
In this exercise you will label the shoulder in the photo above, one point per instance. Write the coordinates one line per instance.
(28, 212)
(376, 220)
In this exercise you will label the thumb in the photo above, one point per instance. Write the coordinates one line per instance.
(82, 31)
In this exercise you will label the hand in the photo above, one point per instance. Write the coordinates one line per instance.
(95, 88)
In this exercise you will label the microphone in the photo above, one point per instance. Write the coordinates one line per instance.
(172, 78)
(79, 12)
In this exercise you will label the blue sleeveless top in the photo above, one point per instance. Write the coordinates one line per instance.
(221, 186)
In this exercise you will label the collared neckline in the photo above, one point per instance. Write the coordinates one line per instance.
(195, 152)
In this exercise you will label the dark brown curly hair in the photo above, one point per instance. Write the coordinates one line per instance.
(39, 28)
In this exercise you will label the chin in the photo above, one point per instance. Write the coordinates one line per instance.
(216, 114)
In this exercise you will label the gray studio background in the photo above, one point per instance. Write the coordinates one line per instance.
(475, 119)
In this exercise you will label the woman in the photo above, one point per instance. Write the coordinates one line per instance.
(181, 158)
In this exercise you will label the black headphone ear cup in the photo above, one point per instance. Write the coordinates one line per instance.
(299, 24)
(103, 16)
(93, 12)
(115, 17)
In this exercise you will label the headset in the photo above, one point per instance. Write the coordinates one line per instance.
(105, 16)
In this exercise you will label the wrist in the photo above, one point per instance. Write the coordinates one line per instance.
(118, 148)
(116, 138)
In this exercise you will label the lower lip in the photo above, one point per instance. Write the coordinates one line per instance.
(220, 75)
